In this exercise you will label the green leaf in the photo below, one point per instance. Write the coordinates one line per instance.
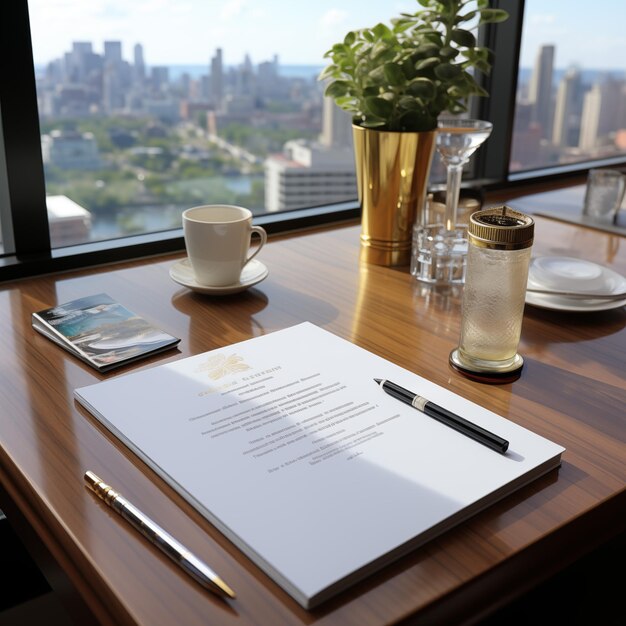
(408, 103)
(449, 5)
(478, 53)
(448, 52)
(385, 55)
(408, 67)
(369, 122)
(481, 91)
(378, 75)
(468, 84)
(348, 102)
(466, 17)
(421, 88)
(417, 121)
(337, 89)
(463, 38)
(455, 92)
(379, 107)
(340, 48)
(394, 74)
(349, 39)
(427, 64)
(327, 72)
(381, 31)
(457, 107)
(401, 25)
(482, 66)
(493, 16)
(445, 71)
(364, 51)
(428, 49)
(471, 86)
(435, 37)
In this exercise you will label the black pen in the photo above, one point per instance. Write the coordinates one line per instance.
(444, 416)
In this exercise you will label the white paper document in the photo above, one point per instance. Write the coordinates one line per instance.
(288, 446)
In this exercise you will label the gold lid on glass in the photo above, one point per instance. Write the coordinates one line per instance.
(501, 228)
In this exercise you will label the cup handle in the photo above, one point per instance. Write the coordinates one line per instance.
(260, 231)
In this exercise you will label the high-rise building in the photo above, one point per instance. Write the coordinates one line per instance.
(113, 84)
(159, 77)
(217, 80)
(540, 91)
(112, 51)
(70, 223)
(336, 126)
(70, 150)
(80, 62)
(139, 67)
(82, 47)
(268, 82)
(310, 173)
(601, 113)
(566, 128)
(245, 79)
(112, 89)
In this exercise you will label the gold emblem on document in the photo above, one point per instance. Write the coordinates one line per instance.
(219, 365)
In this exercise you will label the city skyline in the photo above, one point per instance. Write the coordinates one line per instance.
(196, 70)
(147, 140)
(194, 29)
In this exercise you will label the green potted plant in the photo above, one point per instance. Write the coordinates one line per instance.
(395, 81)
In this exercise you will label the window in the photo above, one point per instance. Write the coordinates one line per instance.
(571, 93)
(112, 126)
(147, 109)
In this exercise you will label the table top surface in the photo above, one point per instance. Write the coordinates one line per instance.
(572, 390)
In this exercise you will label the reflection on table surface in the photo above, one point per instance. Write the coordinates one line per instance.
(567, 205)
(572, 390)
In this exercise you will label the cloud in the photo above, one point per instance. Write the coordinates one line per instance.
(542, 19)
(333, 18)
(232, 9)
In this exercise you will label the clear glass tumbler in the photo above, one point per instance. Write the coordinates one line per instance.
(500, 241)
(604, 195)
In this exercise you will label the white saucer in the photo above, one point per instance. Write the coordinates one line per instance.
(254, 272)
(562, 273)
(570, 274)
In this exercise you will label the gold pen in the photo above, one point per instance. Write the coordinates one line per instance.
(160, 538)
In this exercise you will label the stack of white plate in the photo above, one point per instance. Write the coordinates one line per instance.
(568, 274)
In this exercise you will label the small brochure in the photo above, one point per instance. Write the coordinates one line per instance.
(101, 332)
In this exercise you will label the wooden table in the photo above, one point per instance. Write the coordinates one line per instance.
(571, 390)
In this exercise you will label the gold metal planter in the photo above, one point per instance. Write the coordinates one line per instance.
(392, 176)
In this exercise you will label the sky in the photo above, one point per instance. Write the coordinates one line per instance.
(583, 35)
(188, 31)
(179, 32)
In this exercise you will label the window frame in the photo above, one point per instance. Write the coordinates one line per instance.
(24, 222)
(25, 182)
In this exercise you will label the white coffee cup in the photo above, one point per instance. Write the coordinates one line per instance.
(218, 238)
